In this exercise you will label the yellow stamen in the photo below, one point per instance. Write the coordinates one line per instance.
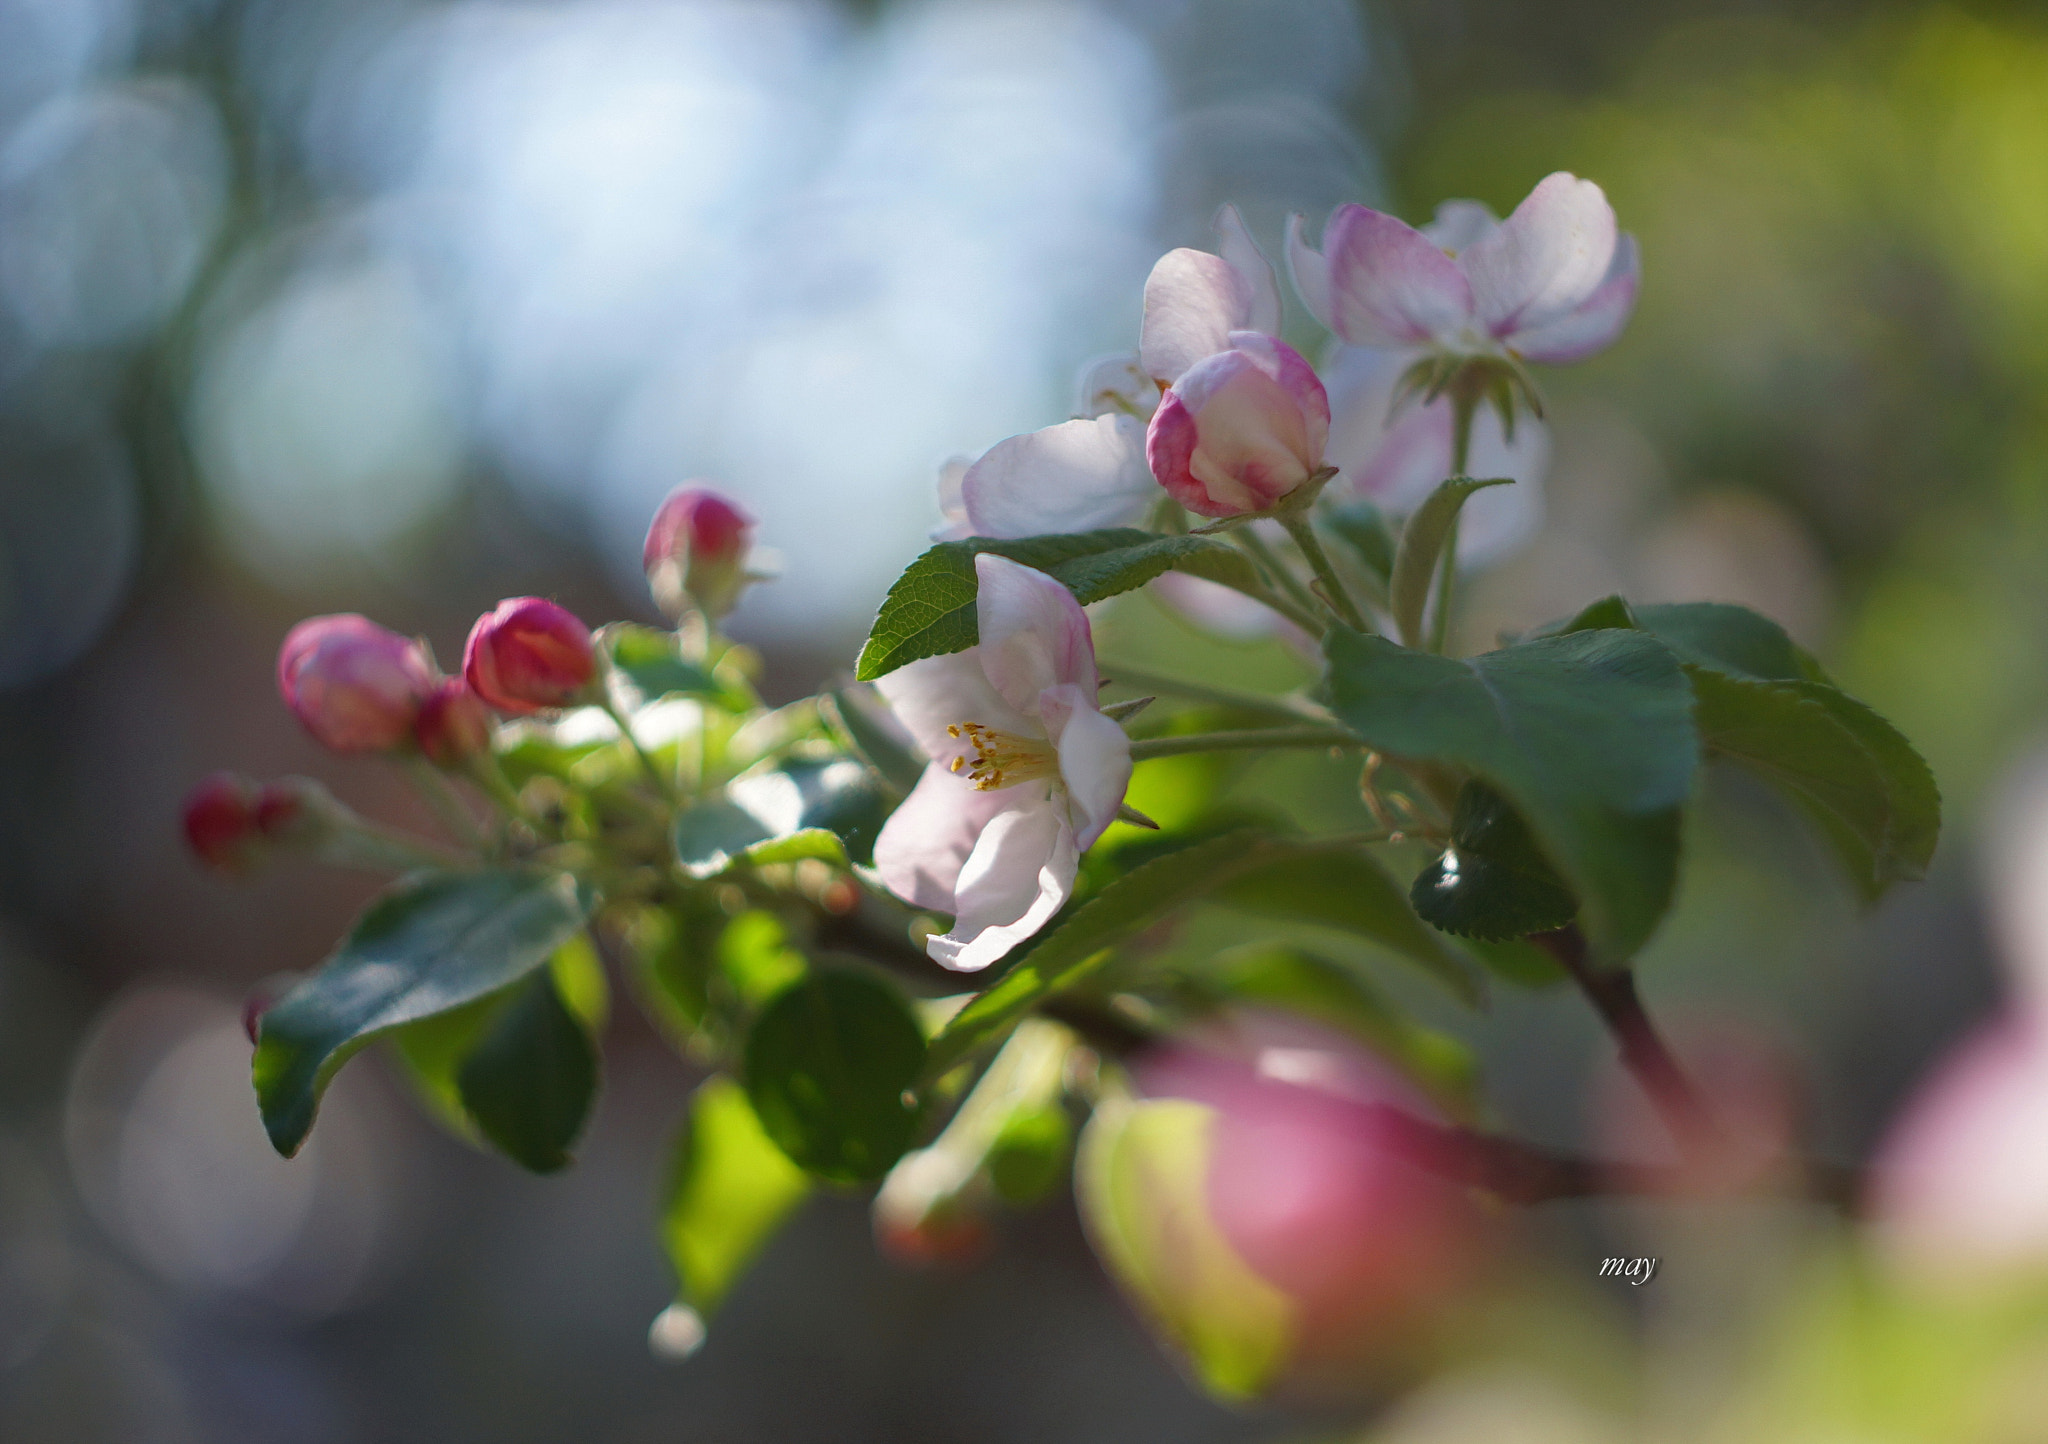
(1002, 759)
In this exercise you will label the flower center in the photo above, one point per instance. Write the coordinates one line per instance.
(1001, 759)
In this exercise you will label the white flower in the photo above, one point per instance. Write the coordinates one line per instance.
(1025, 770)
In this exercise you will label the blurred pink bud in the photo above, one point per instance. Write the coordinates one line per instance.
(528, 654)
(1241, 429)
(453, 725)
(355, 685)
(1266, 1209)
(1960, 1186)
(1752, 1087)
(696, 551)
(220, 823)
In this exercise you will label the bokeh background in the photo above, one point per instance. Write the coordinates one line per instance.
(314, 305)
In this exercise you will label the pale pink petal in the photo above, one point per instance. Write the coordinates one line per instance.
(953, 524)
(1460, 224)
(1262, 287)
(1546, 259)
(1076, 476)
(934, 693)
(928, 839)
(1310, 270)
(1596, 322)
(1193, 301)
(1115, 383)
(1019, 874)
(1241, 429)
(1095, 759)
(1390, 285)
(1034, 635)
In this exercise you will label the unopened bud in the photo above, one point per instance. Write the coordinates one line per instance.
(453, 725)
(529, 654)
(221, 827)
(696, 552)
(1241, 430)
(355, 685)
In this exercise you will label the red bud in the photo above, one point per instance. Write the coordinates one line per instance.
(355, 685)
(453, 725)
(221, 824)
(528, 654)
(696, 551)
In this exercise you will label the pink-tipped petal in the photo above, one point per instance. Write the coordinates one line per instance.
(1020, 872)
(1597, 321)
(1310, 270)
(1390, 285)
(1076, 476)
(934, 693)
(1546, 259)
(1240, 430)
(1095, 759)
(1261, 286)
(1034, 635)
(928, 839)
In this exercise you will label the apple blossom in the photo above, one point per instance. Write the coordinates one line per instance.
(1076, 476)
(1115, 383)
(1194, 300)
(1025, 771)
(355, 686)
(1259, 1202)
(1241, 429)
(1554, 282)
(527, 654)
(696, 551)
(453, 725)
(1395, 454)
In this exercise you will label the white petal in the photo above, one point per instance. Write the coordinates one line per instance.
(1596, 322)
(1461, 224)
(1034, 635)
(1193, 301)
(953, 523)
(1115, 383)
(927, 840)
(1095, 759)
(1018, 875)
(935, 693)
(1262, 287)
(1310, 270)
(1545, 259)
(1076, 476)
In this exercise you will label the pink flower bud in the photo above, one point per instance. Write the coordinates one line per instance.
(1241, 429)
(453, 725)
(528, 654)
(1267, 1211)
(696, 552)
(220, 823)
(355, 685)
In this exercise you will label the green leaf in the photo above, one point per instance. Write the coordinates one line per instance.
(930, 610)
(1590, 736)
(1250, 870)
(1422, 544)
(1517, 961)
(530, 1079)
(848, 713)
(1608, 612)
(431, 943)
(1340, 887)
(828, 1063)
(653, 662)
(1767, 706)
(1361, 526)
(728, 1189)
(757, 958)
(1308, 983)
(831, 810)
(1492, 882)
(1029, 1156)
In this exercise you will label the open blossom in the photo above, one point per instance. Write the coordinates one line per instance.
(1025, 770)
(1265, 1210)
(1554, 282)
(696, 551)
(527, 654)
(1394, 454)
(355, 685)
(1194, 301)
(1241, 429)
(1076, 476)
(1115, 383)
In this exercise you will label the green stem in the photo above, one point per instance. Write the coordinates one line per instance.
(1281, 573)
(1463, 409)
(1140, 680)
(440, 795)
(663, 782)
(1233, 741)
(1339, 597)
